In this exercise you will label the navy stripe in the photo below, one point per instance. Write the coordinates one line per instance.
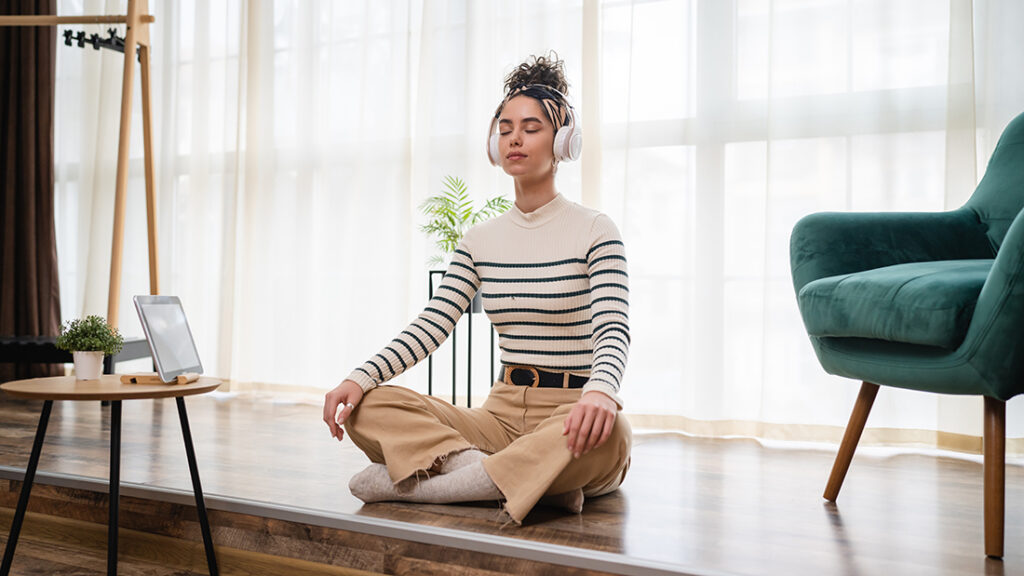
(615, 323)
(418, 341)
(539, 311)
(390, 367)
(600, 342)
(547, 338)
(532, 265)
(470, 268)
(427, 332)
(555, 324)
(563, 368)
(438, 312)
(600, 363)
(464, 253)
(602, 258)
(608, 243)
(612, 298)
(609, 271)
(604, 334)
(598, 313)
(605, 329)
(529, 295)
(397, 355)
(617, 379)
(435, 325)
(602, 352)
(449, 302)
(547, 352)
(379, 373)
(456, 290)
(611, 375)
(411, 353)
(614, 385)
(610, 285)
(368, 375)
(457, 277)
(545, 279)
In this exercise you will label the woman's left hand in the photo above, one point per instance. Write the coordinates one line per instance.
(590, 422)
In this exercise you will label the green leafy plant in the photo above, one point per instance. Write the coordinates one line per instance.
(451, 215)
(90, 334)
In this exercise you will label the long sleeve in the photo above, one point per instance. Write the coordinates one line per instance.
(609, 307)
(426, 333)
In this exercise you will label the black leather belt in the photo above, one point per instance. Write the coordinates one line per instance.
(530, 376)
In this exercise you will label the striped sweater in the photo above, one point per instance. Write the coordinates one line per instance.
(554, 285)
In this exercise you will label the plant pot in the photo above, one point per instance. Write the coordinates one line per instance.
(88, 364)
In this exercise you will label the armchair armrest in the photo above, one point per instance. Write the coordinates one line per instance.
(831, 243)
(994, 344)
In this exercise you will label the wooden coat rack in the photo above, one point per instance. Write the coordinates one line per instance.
(137, 20)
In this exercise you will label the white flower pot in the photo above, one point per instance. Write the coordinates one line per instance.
(88, 365)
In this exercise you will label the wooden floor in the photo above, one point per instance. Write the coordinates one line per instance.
(688, 506)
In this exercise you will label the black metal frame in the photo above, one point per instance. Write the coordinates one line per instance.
(115, 485)
(469, 349)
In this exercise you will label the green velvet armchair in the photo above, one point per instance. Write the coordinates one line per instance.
(925, 301)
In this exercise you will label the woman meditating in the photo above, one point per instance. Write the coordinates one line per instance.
(554, 284)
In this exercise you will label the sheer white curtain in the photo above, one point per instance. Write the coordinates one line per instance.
(296, 140)
(724, 123)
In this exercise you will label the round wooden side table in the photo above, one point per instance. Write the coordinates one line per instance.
(107, 388)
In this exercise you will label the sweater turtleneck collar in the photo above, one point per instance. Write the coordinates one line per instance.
(541, 215)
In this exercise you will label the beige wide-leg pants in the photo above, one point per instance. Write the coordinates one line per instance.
(518, 426)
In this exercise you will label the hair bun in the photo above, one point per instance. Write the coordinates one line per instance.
(546, 70)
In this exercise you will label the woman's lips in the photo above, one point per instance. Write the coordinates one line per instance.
(515, 156)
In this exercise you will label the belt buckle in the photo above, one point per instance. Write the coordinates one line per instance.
(533, 372)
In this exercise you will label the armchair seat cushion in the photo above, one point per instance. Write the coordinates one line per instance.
(928, 303)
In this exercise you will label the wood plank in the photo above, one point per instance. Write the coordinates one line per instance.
(65, 545)
(728, 505)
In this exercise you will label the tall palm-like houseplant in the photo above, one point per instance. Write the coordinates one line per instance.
(451, 214)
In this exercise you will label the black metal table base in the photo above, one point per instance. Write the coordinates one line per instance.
(115, 484)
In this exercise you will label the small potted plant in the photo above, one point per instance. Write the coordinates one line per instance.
(451, 214)
(89, 339)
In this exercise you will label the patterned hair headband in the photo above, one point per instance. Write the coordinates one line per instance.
(553, 102)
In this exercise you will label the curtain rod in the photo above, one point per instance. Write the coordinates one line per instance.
(58, 20)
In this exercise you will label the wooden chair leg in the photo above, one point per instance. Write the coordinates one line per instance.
(858, 418)
(995, 475)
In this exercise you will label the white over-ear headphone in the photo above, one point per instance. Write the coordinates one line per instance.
(568, 139)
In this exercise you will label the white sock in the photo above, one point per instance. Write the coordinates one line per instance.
(461, 459)
(467, 484)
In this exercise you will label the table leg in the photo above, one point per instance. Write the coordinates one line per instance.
(115, 485)
(204, 522)
(26, 488)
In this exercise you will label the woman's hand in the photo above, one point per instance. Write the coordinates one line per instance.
(348, 394)
(590, 422)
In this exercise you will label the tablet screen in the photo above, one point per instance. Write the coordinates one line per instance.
(170, 339)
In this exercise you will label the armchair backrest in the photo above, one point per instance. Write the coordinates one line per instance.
(1000, 194)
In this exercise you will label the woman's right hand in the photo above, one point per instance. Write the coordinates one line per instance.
(347, 395)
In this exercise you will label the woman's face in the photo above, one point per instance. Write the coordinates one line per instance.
(526, 139)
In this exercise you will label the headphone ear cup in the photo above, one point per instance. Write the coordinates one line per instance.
(569, 140)
(492, 150)
(559, 148)
(575, 144)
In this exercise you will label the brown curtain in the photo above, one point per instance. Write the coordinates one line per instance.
(29, 288)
